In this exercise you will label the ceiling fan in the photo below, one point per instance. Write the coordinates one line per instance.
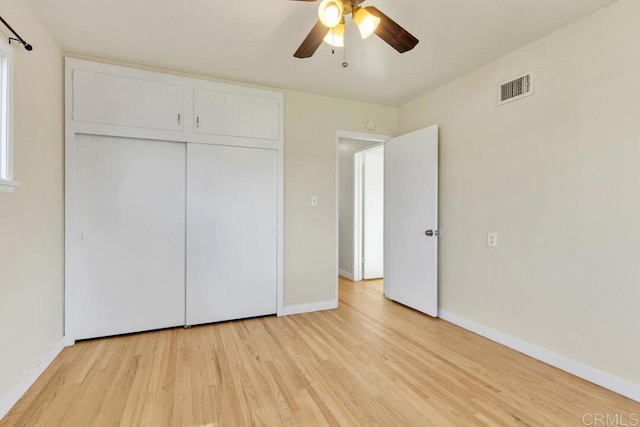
(369, 20)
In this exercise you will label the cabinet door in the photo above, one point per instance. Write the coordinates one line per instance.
(148, 104)
(129, 264)
(232, 114)
(232, 195)
(116, 100)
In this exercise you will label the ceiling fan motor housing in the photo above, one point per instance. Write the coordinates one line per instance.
(369, 20)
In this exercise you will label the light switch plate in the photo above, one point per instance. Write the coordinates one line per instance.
(492, 239)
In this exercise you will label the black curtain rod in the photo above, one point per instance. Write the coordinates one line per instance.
(17, 38)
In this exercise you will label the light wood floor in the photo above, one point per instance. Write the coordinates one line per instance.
(371, 362)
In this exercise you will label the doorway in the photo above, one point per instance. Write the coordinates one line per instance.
(360, 183)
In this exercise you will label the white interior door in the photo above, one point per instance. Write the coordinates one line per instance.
(231, 232)
(373, 214)
(411, 220)
(130, 246)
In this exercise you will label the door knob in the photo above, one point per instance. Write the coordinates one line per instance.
(428, 233)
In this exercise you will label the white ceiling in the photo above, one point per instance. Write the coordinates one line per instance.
(253, 41)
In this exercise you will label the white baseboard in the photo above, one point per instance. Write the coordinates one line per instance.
(345, 274)
(308, 308)
(14, 395)
(603, 379)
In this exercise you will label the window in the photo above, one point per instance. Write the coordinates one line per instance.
(7, 185)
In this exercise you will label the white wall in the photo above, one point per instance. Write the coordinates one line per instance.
(557, 176)
(31, 219)
(346, 151)
(310, 166)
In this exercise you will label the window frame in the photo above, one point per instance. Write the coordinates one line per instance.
(7, 184)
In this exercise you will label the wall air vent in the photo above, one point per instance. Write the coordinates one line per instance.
(515, 89)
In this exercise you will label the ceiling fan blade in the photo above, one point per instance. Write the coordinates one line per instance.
(392, 33)
(312, 42)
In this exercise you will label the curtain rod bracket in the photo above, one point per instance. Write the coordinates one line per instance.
(17, 37)
(26, 45)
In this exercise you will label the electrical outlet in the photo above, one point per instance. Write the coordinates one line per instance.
(314, 201)
(492, 239)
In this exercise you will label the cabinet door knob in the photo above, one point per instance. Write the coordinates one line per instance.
(198, 121)
(179, 118)
(428, 233)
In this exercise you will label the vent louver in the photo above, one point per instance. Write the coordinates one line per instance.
(515, 89)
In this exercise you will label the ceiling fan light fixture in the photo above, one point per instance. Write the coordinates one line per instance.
(335, 36)
(330, 12)
(366, 22)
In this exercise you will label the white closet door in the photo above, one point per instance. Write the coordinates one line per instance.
(130, 268)
(231, 232)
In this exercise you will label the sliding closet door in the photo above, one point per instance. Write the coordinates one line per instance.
(130, 268)
(231, 232)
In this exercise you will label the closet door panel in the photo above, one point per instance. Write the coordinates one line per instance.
(130, 268)
(231, 233)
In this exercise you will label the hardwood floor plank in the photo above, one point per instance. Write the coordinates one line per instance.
(372, 362)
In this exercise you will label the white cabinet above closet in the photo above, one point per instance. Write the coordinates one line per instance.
(117, 100)
(233, 114)
(142, 104)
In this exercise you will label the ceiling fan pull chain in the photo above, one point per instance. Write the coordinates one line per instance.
(345, 64)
